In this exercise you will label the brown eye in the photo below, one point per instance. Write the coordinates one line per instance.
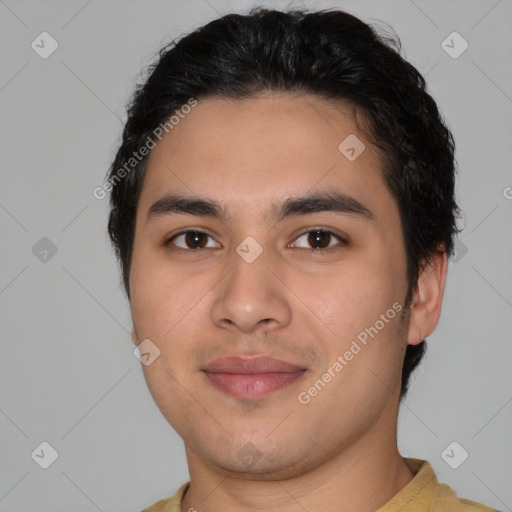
(189, 240)
(319, 239)
(195, 240)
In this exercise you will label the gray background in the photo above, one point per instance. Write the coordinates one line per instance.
(67, 372)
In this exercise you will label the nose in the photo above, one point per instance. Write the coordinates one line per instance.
(251, 298)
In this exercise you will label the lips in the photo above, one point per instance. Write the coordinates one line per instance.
(253, 365)
(251, 378)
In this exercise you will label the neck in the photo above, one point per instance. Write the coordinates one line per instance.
(362, 478)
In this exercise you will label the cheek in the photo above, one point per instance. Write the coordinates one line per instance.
(353, 297)
(362, 306)
(172, 309)
(157, 293)
(168, 391)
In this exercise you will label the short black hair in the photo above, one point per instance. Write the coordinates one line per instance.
(330, 54)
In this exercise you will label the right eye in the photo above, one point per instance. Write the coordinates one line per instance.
(189, 240)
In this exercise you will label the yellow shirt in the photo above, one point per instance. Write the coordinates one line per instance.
(422, 494)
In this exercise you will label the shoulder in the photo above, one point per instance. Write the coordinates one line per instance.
(424, 493)
(446, 500)
(159, 506)
(432, 496)
(173, 504)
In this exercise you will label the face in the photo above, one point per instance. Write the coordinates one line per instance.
(273, 287)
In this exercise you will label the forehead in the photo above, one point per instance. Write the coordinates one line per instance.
(253, 152)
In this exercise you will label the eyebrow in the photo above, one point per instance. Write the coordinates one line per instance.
(336, 202)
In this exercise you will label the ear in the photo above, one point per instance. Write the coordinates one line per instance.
(135, 336)
(428, 297)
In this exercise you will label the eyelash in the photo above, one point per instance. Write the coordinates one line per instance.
(342, 241)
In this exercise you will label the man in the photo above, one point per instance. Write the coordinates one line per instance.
(283, 209)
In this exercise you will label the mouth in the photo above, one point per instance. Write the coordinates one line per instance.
(251, 378)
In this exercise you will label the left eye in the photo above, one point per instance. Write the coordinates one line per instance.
(320, 239)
